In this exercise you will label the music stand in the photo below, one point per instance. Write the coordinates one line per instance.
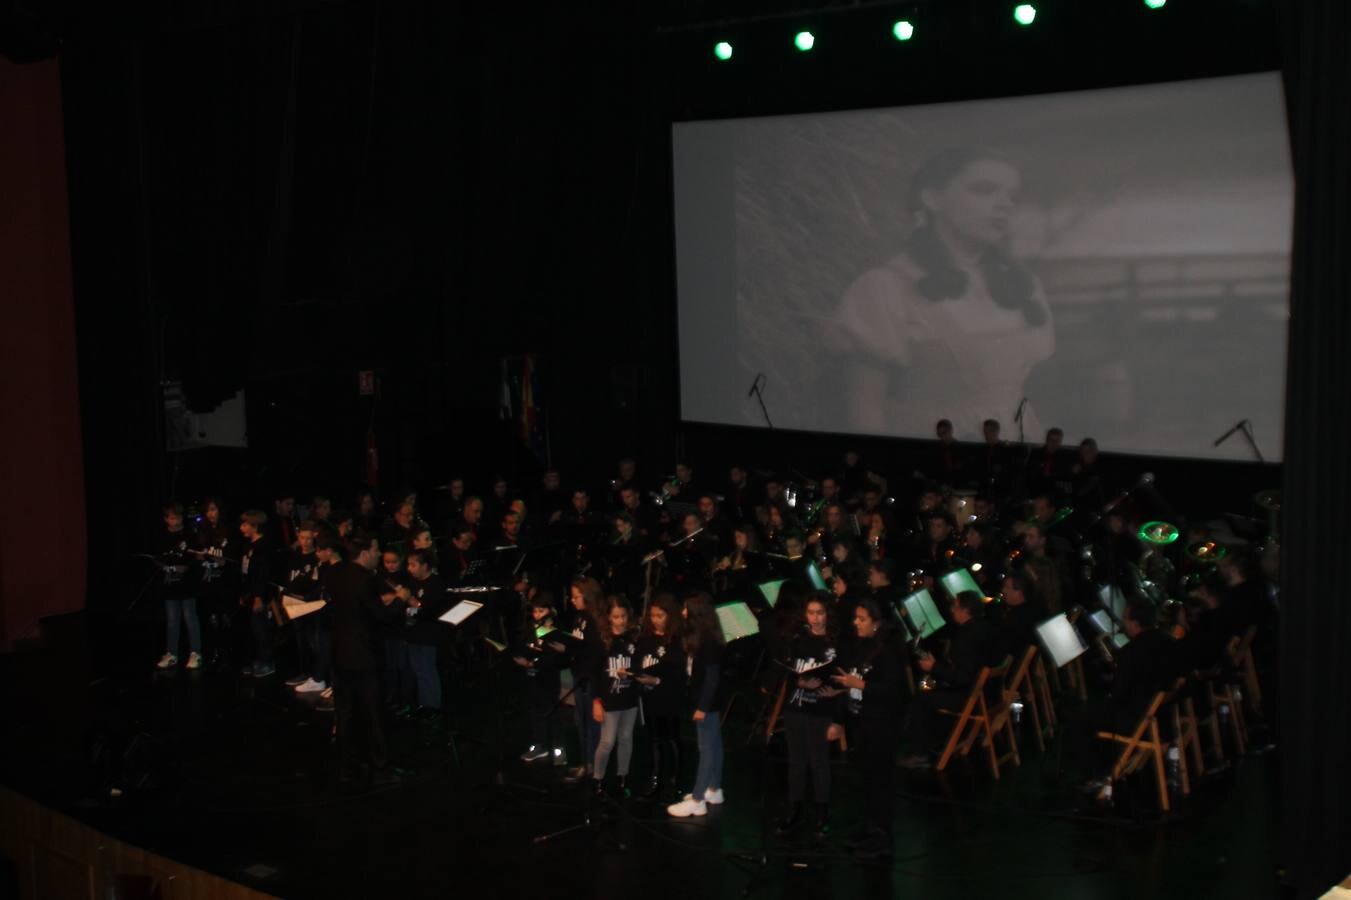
(1061, 640)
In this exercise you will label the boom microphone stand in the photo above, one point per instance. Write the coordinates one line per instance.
(757, 391)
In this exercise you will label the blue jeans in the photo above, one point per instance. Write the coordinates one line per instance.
(422, 659)
(176, 611)
(708, 734)
(588, 729)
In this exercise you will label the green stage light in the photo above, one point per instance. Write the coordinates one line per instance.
(722, 50)
(1024, 13)
(903, 30)
(1155, 4)
(804, 41)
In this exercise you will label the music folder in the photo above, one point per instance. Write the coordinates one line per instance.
(295, 607)
(770, 590)
(460, 611)
(1061, 640)
(814, 576)
(925, 618)
(737, 621)
(959, 580)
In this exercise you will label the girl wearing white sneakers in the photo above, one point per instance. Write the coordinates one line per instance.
(703, 652)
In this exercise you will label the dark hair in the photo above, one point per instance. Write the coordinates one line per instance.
(328, 540)
(255, 517)
(174, 507)
(943, 423)
(542, 599)
(615, 602)
(701, 623)
(592, 594)
(309, 525)
(425, 557)
(666, 602)
(752, 539)
(969, 601)
(1142, 615)
(827, 600)
(990, 422)
(885, 566)
(869, 605)
(361, 539)
(1051, 431)
(1011, 285)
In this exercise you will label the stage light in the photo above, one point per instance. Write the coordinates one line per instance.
(903, 30)
(1024, 13)
(722, 50)
(1155, 4)
(804, 41)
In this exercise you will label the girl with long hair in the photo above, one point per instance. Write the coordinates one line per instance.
(585, 598)
(660, 672)
(809, 709)
(871, 670)
(704, 655)
(614, 706)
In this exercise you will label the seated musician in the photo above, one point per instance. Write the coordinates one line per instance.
(741, 570)
(847, 572)
(461, 553)
(1019, 615)
(1150, 662)
(881, 573)
(646, 518)
(974, 644)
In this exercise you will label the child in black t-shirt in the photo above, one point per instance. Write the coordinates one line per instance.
(542, 654)
(615, 705)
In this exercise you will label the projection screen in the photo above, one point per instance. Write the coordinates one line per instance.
(1118, 257)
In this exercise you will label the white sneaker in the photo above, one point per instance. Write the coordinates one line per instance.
(309, 686)
(194, 660)
(327, 694)
(688, 807)
(533, 754)
(713, 796)
(297, 679)
(167, 661)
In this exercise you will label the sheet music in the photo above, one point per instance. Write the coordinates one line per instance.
(461, 611)
(296, 607)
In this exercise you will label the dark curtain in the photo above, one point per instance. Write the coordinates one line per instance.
(42, 538)
(1316, 614)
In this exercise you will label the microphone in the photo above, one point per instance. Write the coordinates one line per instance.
(755, 385)
(1230, 433)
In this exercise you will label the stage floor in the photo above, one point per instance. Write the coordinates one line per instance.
(237, 777)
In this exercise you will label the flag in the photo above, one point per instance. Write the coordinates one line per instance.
(530, 417)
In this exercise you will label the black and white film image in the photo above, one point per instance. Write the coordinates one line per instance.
(1118, 257)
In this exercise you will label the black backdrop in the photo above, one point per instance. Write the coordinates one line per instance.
(273, 196)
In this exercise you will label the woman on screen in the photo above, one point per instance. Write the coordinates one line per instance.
(952, 325)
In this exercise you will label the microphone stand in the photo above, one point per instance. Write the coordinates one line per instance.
(760, 397)
(1243, 427)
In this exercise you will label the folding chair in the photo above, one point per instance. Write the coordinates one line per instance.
(1021, 686)
(981, 720)
(1144, 744)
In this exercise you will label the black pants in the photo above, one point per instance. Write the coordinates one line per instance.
(664, 734)
(542, 693)
(875, 743)
(808, 750)
(926, 731)
(361, 734)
